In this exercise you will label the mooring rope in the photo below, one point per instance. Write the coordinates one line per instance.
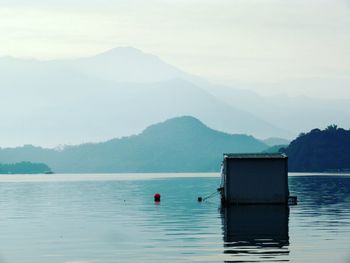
(200, 199)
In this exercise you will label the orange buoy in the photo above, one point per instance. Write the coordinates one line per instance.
(157, 197)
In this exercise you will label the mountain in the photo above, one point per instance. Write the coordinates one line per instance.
(273, 141)
(292, 113)
(275, 148)
(126, 64)
(121, 91)
(182, 144)
(320, 151)
(116, 93)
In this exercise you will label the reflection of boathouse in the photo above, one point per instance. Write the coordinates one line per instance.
(256, 232)
(255, 179)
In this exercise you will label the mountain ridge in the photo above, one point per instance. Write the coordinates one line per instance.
(90, 99)
(189, 145)
(74, 104)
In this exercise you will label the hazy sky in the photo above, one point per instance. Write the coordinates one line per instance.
(287, 46)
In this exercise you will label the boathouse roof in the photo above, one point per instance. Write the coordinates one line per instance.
(255, 155)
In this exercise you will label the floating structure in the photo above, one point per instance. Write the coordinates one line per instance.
(255, 179)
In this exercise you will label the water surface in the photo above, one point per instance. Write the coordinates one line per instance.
(113, 218)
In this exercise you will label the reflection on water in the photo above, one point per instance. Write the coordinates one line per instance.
(109, 218)
(256, 233)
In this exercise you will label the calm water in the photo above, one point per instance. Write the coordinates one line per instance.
(112, 218)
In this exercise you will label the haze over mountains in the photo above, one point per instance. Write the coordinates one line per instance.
(122, 91)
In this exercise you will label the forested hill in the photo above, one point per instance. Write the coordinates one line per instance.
(182, 144)
(320, 151)
(24, 168)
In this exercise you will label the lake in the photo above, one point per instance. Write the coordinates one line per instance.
(113, 218)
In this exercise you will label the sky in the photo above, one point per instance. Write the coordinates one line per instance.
(293, 47)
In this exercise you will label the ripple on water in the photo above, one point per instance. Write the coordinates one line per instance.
(113, 219)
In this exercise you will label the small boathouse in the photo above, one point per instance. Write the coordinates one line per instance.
(255, 179)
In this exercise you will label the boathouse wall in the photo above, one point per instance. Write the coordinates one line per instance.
(255, 179)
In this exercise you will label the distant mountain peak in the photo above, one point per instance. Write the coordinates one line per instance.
(128, 55)
(125, 48)
(127, 64)
(123, 51)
